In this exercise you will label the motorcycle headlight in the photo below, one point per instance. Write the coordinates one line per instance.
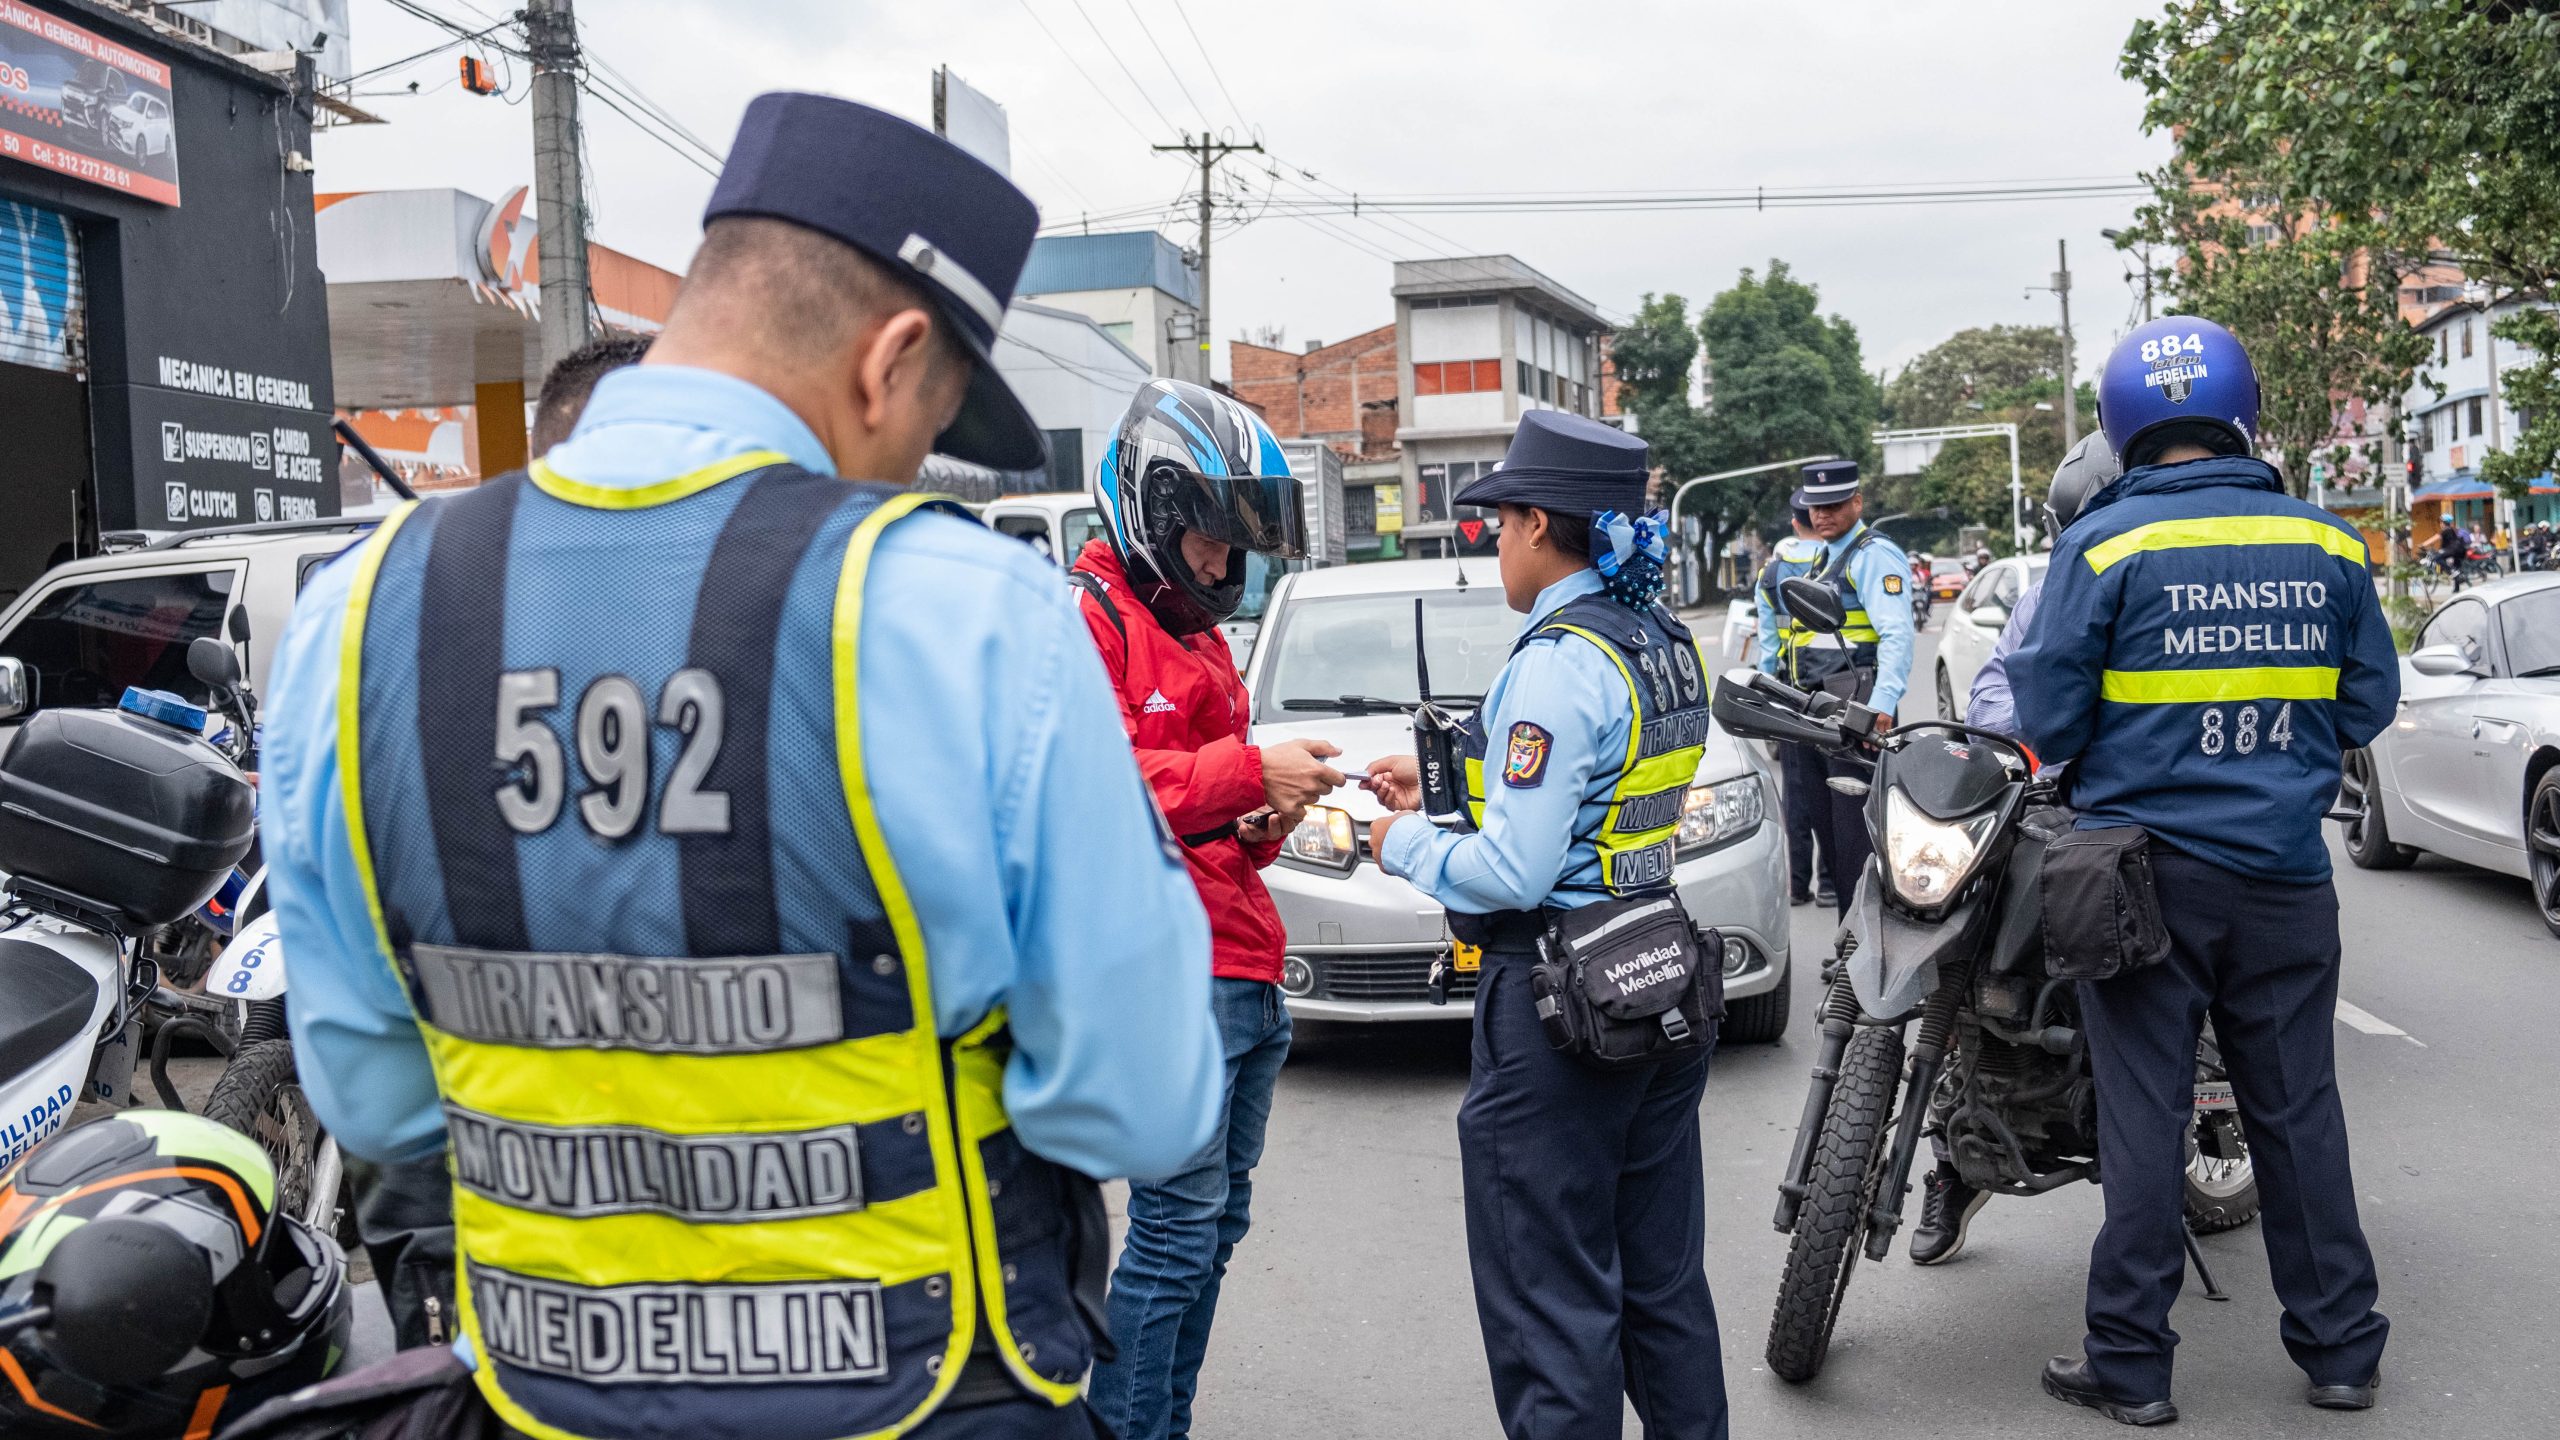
(1930, 859)
(1324, 838)
(1713, 814)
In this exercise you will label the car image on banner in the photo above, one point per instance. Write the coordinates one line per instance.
(77, 103)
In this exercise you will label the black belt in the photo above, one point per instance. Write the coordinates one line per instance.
(1227, 831)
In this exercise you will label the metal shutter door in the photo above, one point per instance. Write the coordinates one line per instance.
(43, 321)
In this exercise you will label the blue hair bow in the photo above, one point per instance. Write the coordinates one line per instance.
(1628, 537)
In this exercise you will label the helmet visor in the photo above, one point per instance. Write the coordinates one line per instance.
(1260, 513)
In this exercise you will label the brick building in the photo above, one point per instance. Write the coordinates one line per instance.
(1344, 394)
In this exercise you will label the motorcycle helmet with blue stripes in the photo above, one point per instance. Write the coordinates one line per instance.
(1187, 460)
(2180, 379)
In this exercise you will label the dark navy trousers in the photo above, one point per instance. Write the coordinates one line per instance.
(1586, 1231)
(1808, 804)
(2263, 959)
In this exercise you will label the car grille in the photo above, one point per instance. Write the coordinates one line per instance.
(1383, 977)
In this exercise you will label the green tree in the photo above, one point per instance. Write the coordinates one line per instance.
(2397, 131)
(1785, 380)
(1984, 376)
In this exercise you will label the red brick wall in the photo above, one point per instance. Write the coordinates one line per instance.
(1344, 392)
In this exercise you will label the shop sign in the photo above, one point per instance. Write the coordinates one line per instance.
(1390, 509)
(79, 104)
(200, 459)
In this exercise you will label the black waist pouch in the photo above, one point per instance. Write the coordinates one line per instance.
(2101, 906)
(1627, 982)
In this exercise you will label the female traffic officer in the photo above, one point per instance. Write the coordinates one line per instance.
(1584, 1194)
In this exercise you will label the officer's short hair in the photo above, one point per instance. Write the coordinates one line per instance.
(795, 292)
(566, 388)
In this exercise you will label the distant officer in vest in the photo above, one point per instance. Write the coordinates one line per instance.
(1585, 1198)
(1870, 659)
(736, 864)
(1801, 767)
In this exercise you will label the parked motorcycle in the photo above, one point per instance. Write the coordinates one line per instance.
(1945, 929)
(120, 832)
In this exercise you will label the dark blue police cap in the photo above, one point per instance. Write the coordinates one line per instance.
(1567, 463)
(929, 212)
(1828, 482)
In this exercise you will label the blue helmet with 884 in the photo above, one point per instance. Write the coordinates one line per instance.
(2180, 379)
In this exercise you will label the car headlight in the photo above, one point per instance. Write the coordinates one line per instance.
(1324, 838)
(1930, 859)
(1713, 814)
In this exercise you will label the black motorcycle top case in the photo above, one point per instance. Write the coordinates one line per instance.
(140, 819)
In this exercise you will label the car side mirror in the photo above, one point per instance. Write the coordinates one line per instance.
(1989, 615)
(17, 688)
(214, 664)
(238, 624)
(2441, 661)
(1817, 605)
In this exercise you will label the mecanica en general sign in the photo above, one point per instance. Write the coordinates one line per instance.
(78, 103)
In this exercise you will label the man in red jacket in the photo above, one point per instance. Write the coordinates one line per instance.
(1191, 482)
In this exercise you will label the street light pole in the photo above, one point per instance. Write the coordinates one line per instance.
(1682, 491)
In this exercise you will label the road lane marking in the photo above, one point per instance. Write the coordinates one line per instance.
(2372, 1024)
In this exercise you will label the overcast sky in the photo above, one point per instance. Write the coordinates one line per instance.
(1402, 96)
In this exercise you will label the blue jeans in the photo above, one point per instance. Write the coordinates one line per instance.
(1181, 1231)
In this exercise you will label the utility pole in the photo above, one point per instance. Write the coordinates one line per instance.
(2070, 387)
(559, 191)
(1208, 153)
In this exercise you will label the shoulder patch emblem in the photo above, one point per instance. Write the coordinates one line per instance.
(1524, 766)
(1893, 583)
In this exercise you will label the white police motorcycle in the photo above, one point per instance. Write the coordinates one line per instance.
(120, 834)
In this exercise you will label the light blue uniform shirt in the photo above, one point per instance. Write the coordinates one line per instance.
(1795, 555)
(1888, 612)
(1990, 704)
(1568, 687)
(1012, 805)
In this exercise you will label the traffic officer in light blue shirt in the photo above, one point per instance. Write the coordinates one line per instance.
(1585, 1192)
(1801, 767)
(699, 799)
(1870, 659)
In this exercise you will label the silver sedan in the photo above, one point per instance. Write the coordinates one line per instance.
(2470, 769)
(1336, 662)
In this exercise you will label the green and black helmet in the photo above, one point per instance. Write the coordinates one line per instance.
(148, 1287)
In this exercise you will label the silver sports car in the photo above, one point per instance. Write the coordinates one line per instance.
(2471, 768)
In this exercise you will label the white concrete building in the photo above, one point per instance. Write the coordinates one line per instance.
(1137, 285)
(1481, 340)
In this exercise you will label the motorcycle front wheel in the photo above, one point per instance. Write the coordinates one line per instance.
(1848, 1164)
(260, 1095)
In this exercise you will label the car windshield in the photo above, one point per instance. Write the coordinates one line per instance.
(2531, 624)
(1330, 649)
(1261, 572)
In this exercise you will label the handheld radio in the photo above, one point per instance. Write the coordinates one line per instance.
(1435, 743)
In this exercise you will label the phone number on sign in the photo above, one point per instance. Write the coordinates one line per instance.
(69, 162)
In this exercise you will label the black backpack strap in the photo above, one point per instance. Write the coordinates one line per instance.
(1101, 594)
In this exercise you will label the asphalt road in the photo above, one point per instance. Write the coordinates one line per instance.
(1348, 1310)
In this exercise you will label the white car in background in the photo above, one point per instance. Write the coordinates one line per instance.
(1973, 627)
(1336, 663)
(2470, 767)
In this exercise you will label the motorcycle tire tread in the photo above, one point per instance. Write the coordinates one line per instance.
(1846, 1166)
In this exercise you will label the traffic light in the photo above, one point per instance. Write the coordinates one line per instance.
(477, 77)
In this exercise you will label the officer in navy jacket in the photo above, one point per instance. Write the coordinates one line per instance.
(2205, 648)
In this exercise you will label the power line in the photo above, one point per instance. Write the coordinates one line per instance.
(1069, 56)
(606, 99)
(630, 90)
(1213, 66)
(1105, 43)
(606, 92)
(1739, 200)
(1170, 67)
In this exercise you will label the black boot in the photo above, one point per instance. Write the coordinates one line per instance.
(2067, 1379)
(1947, 1206)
